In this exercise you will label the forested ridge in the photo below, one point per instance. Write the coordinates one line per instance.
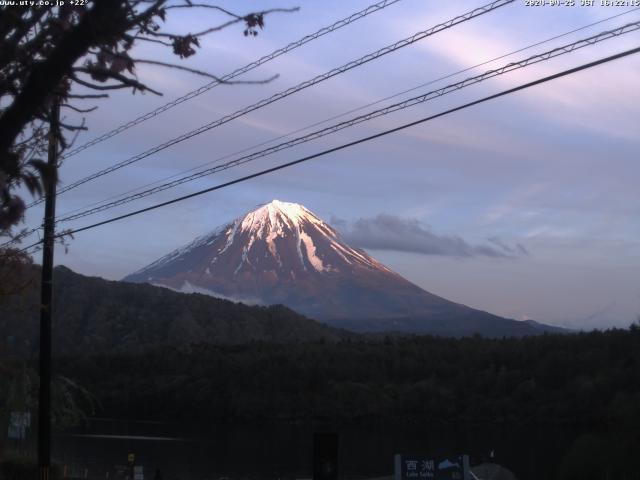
(586, 384)
(198, 362)
(587, 378)
(96, 315)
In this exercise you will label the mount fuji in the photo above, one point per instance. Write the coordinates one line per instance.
(282, 253)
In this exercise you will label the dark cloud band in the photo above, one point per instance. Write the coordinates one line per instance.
(390, 232)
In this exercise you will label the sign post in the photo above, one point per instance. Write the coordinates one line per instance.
(423, 467)
(18, 424)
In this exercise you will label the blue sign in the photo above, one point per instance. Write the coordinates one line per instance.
(18, 424)
(422, 467)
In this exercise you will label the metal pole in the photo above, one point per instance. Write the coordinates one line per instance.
(46, 295)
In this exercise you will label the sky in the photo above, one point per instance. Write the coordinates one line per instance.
(526, 206)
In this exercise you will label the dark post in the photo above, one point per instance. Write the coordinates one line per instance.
(325, 456)
(46, 295)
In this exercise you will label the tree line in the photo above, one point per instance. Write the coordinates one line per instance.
(583, 379)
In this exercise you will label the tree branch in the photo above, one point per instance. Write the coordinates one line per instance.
(205, 74)
(204, 5)
(88, 96)
(45, 52)
(79, 110)
(93, 27)
(125, 82)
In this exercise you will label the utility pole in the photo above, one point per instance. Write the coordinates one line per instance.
(46, 295)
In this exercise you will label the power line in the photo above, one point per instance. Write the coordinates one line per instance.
(278, 96)
(103, 202)
(19, 237)
(242, 70)
(355, 142)
(343, 114)
(534, 59)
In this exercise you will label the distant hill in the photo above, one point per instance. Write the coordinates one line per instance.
(465, 323)
(281, 253)
(95, 315)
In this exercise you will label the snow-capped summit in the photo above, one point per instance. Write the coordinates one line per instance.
(283, 253)
(273, 214)
(277, 239)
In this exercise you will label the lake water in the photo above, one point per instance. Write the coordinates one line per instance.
(285, 451)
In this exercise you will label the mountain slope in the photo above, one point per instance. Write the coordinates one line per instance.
(95, 315)
(283, 253)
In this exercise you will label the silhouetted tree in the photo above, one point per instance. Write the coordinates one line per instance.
(48, 51)
(14, 272)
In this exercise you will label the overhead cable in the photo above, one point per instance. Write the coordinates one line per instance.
(240, 71)
(534, 59)
(343, 114)
(301, 86)
(353, 143)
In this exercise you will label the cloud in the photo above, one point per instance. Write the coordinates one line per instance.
(517, 249)
(390, 232)
(581, 100)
